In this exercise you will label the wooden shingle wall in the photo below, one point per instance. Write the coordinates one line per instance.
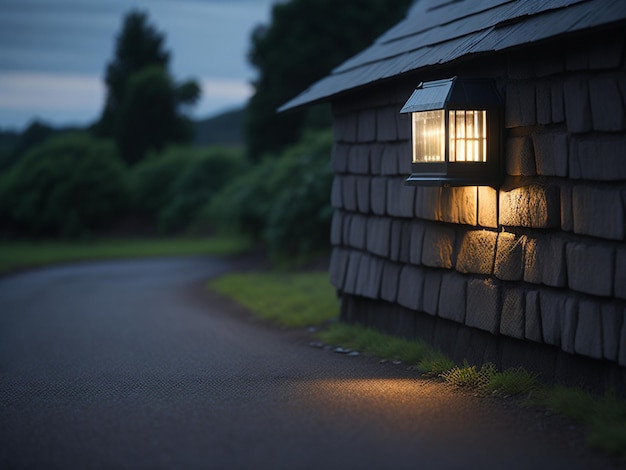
(544, 262)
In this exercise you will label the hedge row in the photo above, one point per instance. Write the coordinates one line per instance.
(73, 186)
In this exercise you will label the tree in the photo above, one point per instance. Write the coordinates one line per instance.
(304, 42)
(139, 45)
(143, 104)
(148, 116)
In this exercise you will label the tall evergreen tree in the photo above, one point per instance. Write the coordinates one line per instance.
(143, 104)
(305, 40)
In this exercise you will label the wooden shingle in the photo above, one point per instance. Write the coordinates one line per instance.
(378, 195)
(598, 212)
(453, 303)
(620, 274)
(378, 232)
(588, 338)
(411, 288)
(551, 150)
(612, 317)
(598, 159)
(390, 281)
(590, 268)
(577, 106)
(552, 306)
(532, 317)
(512, 322)
(483, 305)
(607, 108)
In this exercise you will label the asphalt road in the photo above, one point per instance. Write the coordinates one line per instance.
(132, 365)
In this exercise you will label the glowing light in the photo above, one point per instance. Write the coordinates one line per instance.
(468, 136)
(429, 136)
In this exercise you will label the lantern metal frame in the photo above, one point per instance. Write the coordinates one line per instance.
(458, 94)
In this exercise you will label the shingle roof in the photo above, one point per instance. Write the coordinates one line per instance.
(436, 32)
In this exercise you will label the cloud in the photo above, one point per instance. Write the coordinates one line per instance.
(62, 98)
(45, 91)
(219, 94)
(226, 88)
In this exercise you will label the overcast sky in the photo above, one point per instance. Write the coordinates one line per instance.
(53, 53)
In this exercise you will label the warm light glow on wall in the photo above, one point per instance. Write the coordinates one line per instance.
(487, 207)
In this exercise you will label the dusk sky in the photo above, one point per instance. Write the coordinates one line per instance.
(53, 53)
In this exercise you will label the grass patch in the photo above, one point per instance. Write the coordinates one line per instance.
(604, 416)
(516, 381)
(18, 255)
(372, 342)
(435, 364)
(470, 377)
(289, 299)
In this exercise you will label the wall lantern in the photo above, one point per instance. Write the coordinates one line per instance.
(456, 129)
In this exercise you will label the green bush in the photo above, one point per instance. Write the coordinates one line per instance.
(244, 203)
(283, 201)
(151, 180)
(66, 186)
(196, 185)
(299, 220)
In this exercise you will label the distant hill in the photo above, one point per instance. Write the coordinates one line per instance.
(224, 129)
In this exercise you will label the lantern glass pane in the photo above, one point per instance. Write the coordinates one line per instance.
(468, 136)
(428, 136)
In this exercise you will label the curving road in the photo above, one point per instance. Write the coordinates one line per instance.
(131, 364)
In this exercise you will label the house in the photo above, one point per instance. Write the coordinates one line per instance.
(528, 272)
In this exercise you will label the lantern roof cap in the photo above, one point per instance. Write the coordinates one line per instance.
(453, 93)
